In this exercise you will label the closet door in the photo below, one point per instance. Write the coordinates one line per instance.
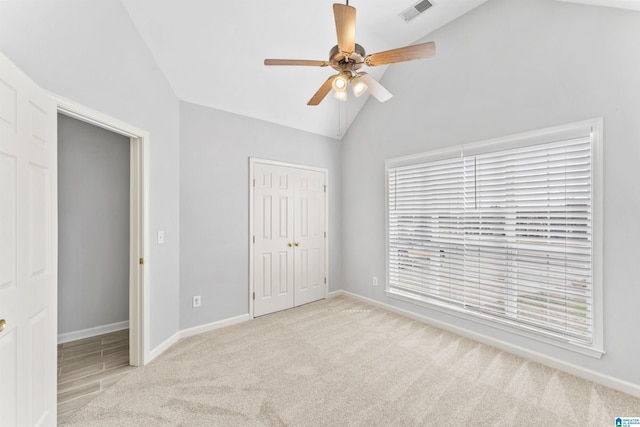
(273, 234)
(309, 233)
(289, 239)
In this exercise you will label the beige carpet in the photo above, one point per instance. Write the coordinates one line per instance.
(340, 362)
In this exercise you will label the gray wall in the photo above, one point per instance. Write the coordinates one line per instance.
(215, 147)
(93, 226)
(511, 66)
(91, 53)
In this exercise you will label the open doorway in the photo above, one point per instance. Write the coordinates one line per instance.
(93, 230)
(110, 245)
(93, 261)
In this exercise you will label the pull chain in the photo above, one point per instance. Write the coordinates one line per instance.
(343, 113)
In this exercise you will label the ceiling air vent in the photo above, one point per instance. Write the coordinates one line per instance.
(415, 10)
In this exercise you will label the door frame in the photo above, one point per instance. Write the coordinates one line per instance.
(252, 162)
(139, 263)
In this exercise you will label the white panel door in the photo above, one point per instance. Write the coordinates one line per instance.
(273, 231)
(289, 230)
(309, 233)
(28, 241)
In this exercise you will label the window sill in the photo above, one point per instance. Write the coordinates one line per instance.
(591, 351)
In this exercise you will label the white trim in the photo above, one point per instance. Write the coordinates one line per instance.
(253, 160)
(325, 171)
(197, 330)
(139, 312)
(438, 154)
(164, 346)
(597, 185)
(78, 111)
(92, 332)
(337, 293)
(534, 137)
(326, 230)
(252, 178)
(552, 362)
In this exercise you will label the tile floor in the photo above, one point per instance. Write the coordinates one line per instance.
(89, 366)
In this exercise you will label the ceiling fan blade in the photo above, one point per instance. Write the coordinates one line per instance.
(322, 92)
(409, 53)
(375, 89)
(303, 62)
(345, 17)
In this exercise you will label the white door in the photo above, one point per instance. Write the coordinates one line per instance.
(28, 241)
(273, 231)
(289, 259)
(309, 234)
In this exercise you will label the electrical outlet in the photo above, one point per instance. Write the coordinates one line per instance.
(374, 281)
(197, 300)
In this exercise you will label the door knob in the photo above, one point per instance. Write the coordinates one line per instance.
(3, 323)
(290, 244)
(297, 243)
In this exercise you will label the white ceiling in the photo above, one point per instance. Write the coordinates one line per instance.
(622, 4)
(212, 52)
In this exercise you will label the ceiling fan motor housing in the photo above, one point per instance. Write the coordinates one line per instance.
(347, 62)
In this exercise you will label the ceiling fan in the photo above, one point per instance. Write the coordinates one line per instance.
(347, 57)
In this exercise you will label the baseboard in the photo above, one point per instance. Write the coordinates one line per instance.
(578, 371)
(196, 331)
(214, 325)
(334, 294)
(163, 347)
(92, 332)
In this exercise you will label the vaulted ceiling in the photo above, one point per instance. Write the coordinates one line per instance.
(212, 52)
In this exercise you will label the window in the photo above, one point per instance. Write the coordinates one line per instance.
(506, 231)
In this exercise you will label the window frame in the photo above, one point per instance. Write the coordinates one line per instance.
(592, 127)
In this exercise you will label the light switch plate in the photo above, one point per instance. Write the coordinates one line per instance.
(160, 237)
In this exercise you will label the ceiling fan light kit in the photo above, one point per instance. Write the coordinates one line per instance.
(347, 57)
(340, 96)
(358, 86)
(340, 82)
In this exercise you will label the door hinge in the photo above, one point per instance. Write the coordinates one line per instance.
(325, 188)
(254, 182)
(254, 295)
(325, 234)
(325, 280)
(141, 261)
(254, 239)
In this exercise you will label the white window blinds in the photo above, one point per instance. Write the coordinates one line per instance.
(505, 234)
